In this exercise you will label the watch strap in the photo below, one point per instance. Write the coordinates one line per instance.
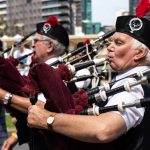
(52, 117)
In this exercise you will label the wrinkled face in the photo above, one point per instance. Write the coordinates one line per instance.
(41, 47)
(121, 52)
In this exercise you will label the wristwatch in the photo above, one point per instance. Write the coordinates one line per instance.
(50, 121)
(7, 99)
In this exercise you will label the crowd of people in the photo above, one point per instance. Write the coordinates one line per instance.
(44, 108)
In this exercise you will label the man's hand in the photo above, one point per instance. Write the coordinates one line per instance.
(37, 117)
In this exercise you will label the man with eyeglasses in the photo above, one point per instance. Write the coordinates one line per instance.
(50, 42)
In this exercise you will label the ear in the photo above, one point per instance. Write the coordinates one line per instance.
(50, 47)
(140, 53)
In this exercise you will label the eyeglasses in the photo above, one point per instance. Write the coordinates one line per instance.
(37, 40)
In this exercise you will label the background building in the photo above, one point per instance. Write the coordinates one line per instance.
(132, 6)
(62, 9)
(3, 8)
(96, 27)
(77, 21)
(21, 16)
(86, 16)
(88, 27)
(3, 14)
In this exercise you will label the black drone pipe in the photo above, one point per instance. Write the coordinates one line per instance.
(103, 95)
(82, 58)
(79, 66)
(23, 57)
(80, 49)
(84, 77)
(16, 44)
(103, 87)
(96, 110)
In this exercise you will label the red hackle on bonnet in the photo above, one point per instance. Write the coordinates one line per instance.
(52, 20)
(142, 8)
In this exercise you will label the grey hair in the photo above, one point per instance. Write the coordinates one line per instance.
(138, 45)
(60, 49)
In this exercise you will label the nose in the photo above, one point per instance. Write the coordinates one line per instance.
(33, 43)
(110, 48)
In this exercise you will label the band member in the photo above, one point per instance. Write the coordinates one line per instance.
(128, 53)
(50, 41)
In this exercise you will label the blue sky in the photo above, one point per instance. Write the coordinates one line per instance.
(104, 11)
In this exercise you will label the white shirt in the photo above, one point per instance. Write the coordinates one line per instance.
(51, 60)
(19, 53)
(26, 61)
(132, 116)
(83, 84)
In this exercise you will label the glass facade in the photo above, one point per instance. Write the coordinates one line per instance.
(96, 28)
(86, 16)
(132, 6)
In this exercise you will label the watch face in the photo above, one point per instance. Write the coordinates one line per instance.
(50, 120)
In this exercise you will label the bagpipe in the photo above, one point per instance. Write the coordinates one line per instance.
(42, 78)
(107, 86)
(101, 97)
(17, 43)
(64, 72)
(16, 61)
(68, 70)
(79, 66)
(71, 66)
(96, 110)
(60, 101)
(80, 49)
(12, 81)
(23, 57)
(85, 77)
(89, 51)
